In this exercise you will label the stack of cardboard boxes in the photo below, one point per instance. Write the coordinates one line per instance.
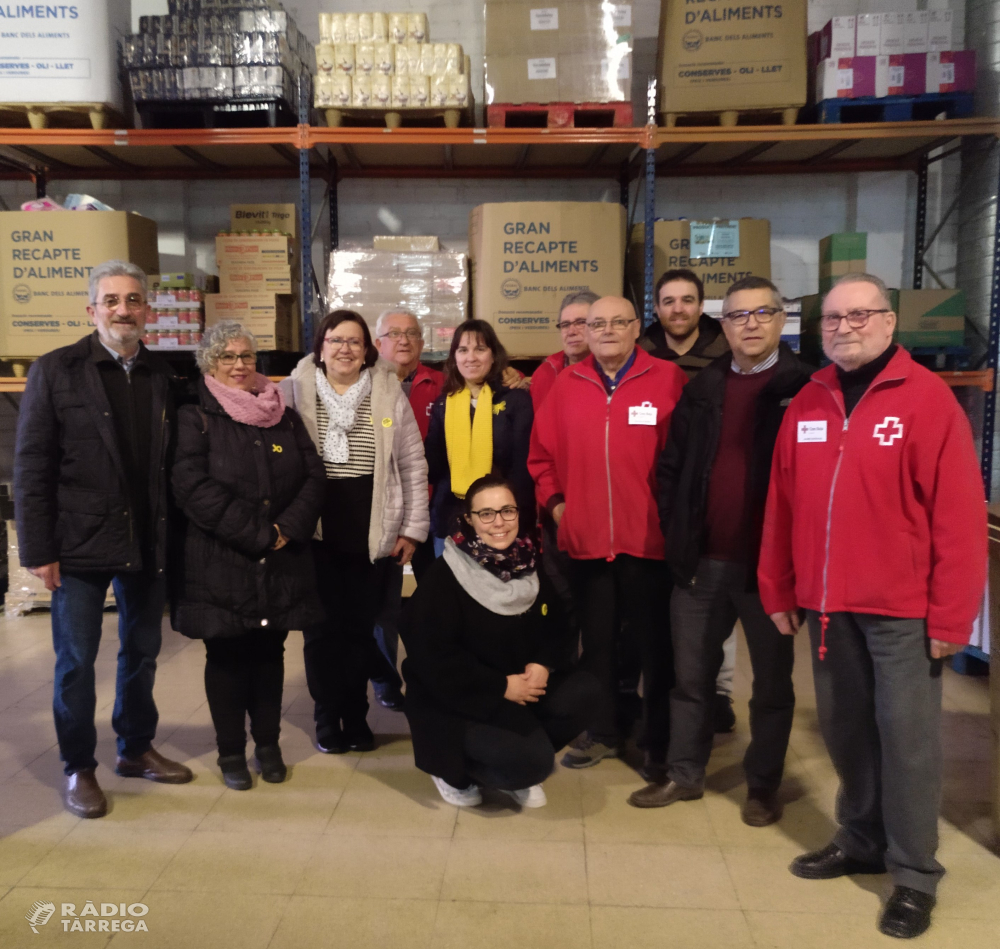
(889, 54)
(258, 262)
(177, 310)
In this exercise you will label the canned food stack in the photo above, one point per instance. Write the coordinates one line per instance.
(177, 311)
(386, 61)
(217, 50)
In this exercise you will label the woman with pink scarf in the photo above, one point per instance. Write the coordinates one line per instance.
(250, 486)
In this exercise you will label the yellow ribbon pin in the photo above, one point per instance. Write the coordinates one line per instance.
(276, 448)
(545, 609)
(499, 407)
(387, 423)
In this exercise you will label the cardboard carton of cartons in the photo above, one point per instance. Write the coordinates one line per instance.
(891, 34)
(270, 317)
(714, 56)
(45, 263)
(265, 217)
(255, 281)
(526, 256)
(868, 36)
(672, 250)
(838, 38)
(939, 31)
(930, 318)
(247, 252)
(916, 31)
(841, 254)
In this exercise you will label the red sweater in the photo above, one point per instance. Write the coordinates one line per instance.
(880, 513)
(424, 389)
(584, 449)
(544, 378)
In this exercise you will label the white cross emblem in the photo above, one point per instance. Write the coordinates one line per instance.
(888, 430)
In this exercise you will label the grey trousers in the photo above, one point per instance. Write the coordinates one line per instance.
(878, 695)
(701, 620)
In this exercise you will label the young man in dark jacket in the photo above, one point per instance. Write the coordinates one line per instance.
(713, 478)
(90, 490)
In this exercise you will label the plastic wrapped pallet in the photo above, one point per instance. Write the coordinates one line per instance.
(433, 286)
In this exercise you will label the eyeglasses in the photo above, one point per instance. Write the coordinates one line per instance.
(855, 318)
(133, 301)
(339, 343)
(571, 324)
(764, 314)
(229, 359)
(487, 515)
(395, 335)
(618, 323)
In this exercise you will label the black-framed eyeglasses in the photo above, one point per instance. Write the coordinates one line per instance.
(856, 319)
(618, 323)
(395, 335)
(133, 301)
(571, 324)
(488, 515)
(764, 314)
(229, 359)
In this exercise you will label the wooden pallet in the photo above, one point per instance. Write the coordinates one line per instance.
(955, 105)
(560, 115)
(776, 116)
(41, 115)
(450, 118)
(211, 114)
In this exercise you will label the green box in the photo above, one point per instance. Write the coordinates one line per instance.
(930, 318)
(839, 247)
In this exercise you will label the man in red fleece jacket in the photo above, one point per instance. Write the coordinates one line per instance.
(593, 456)
(876, 526)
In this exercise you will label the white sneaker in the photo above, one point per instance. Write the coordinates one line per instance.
(470, 797)
(530, 797)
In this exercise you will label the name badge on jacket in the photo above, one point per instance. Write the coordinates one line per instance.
(812, 431)
(644, 414)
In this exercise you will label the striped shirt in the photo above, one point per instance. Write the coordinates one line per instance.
(360, 441)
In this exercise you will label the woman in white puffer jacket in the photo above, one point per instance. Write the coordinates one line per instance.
(375, 512)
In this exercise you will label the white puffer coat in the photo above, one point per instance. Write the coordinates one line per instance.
(400, 496)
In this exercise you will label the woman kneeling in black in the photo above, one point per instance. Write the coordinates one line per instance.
(490, 697)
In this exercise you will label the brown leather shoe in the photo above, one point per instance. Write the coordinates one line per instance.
(154, 767)
(660, 795)
(761, 808)
(83, 796)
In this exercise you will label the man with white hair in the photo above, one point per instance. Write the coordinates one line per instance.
(876, 527)
(90, 490)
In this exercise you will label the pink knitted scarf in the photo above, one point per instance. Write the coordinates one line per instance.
(261, 408)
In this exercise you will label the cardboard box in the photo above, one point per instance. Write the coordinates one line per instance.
(868, 36)
(266, 217)
(939, 31)
(838, 38)
(841, 254)
(566, 51)
(930, 318)
(400, 244)
(252, 281)
(709, 61)
(891, 34)
(270, 317)
(951, 71)
(45, 263)
(526, 256)
(244, 252)
(671, 249)
(916, 31)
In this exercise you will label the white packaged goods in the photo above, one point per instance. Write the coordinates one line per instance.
(939, 34)
(868, 34)
(838, 37)
(62, 52)
(891, 34)
(432, 286)
(915, 31)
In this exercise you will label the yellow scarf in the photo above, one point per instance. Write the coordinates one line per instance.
(469, 443)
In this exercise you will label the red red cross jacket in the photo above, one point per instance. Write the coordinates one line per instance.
(545, 376)
(425, 388)
(585, 447)
(881, 513)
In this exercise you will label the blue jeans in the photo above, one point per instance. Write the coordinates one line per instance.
(77, 612)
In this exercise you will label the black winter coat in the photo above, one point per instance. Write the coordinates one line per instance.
(685, 463)
(70, 494)
(233, 482)
(458, 657)
(511, 438)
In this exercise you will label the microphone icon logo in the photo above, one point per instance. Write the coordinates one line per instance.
(39, 914)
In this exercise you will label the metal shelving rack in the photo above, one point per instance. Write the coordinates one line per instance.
(332, 154)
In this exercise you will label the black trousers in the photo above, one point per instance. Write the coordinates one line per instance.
(878, 696)
(245, 675)
(390, 608)
(633, 593)
(423, 557)
(340, 653)
(501, 758)
(702, 618)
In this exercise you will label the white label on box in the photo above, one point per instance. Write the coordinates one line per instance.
(34, 68)
(544, 18)
(714, 239)
(621, 15)
(169, 342)
(544, 68)
(897, 77)
(163, 320)
(947, 74)
(845, 79)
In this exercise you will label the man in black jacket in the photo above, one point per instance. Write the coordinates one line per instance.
(90, 489)
(713, 479)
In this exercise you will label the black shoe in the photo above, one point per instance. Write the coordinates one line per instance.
(331, 743)
(359, 737)
(388, 695)
(907, 913)
(725, 717)
(829, 863)
(235, 772)
(269, 764)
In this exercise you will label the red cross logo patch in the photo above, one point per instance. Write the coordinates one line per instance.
(888, 430)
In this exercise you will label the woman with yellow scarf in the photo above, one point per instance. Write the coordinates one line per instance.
(477, 426)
